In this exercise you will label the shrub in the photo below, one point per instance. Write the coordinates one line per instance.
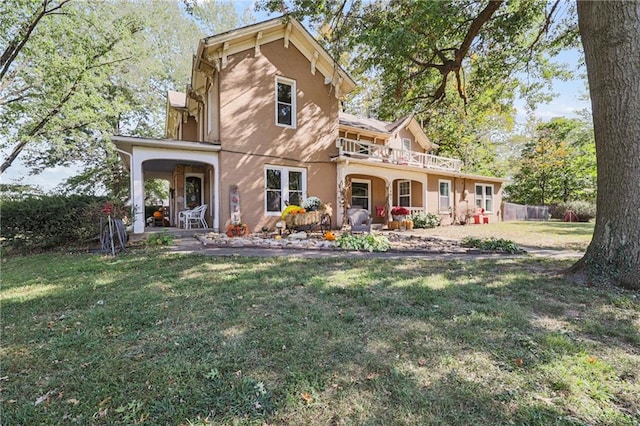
(584, 210)
(491, 244)
(160, 239)
(425, 220)
(369, 242)
(46, 222)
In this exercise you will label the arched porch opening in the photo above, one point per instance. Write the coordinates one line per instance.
(370, 193)
(408, 193)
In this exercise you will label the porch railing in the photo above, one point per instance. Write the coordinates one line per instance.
(381, 153)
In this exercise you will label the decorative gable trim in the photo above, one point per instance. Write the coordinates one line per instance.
(215, 49)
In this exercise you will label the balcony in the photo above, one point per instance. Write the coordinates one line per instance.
(384, 154)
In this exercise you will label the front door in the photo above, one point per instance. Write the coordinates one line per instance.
(193, 191)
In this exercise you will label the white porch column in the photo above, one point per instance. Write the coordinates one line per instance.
(137, 193)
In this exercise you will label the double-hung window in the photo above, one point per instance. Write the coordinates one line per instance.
(406, 144)
(285, 102)
(484, 197)
(445, 196)
(404, 193)
(361, 194)
(283, 185)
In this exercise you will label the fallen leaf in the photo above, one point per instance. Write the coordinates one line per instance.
(592, 360)
(104, 401)
(519, 362)
(307, 398)
(102, 412)
(73, 401)
(372, 376)
(422, 362)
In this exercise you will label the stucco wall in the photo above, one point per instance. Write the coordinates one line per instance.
(462, 203)
(250, 138)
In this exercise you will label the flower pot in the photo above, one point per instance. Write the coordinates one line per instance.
(398, 217)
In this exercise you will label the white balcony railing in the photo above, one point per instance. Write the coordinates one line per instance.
(381, 153)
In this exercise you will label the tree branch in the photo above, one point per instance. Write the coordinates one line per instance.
(17, 43)
(545, 27)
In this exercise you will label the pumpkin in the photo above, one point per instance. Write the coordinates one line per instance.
(329, 236)
(157, 214)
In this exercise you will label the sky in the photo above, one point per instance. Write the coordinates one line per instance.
(566, 104)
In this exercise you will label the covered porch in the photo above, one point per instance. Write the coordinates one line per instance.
(378, 189)
(191, 168)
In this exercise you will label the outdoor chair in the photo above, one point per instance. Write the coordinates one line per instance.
(360, 220)
(193, 217)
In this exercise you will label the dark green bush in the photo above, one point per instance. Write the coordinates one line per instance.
(491, 244)
(48, 222)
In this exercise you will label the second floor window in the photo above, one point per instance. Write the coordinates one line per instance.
(285, 102)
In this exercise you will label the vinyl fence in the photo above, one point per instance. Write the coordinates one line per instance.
(513, 211)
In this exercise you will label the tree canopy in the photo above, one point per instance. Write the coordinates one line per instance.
(73, 73)
(557, 165)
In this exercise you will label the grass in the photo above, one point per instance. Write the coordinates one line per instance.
(156, 338)
(543, 235)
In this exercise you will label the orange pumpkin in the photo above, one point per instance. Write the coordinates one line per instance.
(329, 236)
(157, 214)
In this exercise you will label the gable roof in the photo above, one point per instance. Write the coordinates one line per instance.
(386, 128)
(214, 50)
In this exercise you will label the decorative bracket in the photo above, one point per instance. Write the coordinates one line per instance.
(287, 35)
(258, 37)
(314, 60)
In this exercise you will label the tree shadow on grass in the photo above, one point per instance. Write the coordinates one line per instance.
(301, 341)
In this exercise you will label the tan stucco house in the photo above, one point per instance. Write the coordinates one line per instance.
(262, 112)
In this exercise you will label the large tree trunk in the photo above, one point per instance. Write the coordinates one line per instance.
(610, 32)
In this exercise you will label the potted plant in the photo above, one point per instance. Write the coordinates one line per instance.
(399, 213)
(312, 203)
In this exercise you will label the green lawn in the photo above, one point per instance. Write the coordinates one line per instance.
(546, 235)
(156, 338)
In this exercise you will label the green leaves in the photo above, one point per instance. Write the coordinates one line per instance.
(368, 242)
(559, 164)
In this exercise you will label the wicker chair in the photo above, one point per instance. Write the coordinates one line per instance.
(360, 220)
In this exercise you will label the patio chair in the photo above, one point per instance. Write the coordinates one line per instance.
(360, 220)
(193, 217)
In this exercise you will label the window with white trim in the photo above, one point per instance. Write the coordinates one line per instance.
(406, 144)
(283, 185)
(285, 102)
(361, 194)
(484, 197)
(404, 193)
(444, 195)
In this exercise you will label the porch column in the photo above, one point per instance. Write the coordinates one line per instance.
(340, 173)
(216, 193)
(137, 193)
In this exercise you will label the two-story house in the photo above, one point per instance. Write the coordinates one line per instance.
(261, 117)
